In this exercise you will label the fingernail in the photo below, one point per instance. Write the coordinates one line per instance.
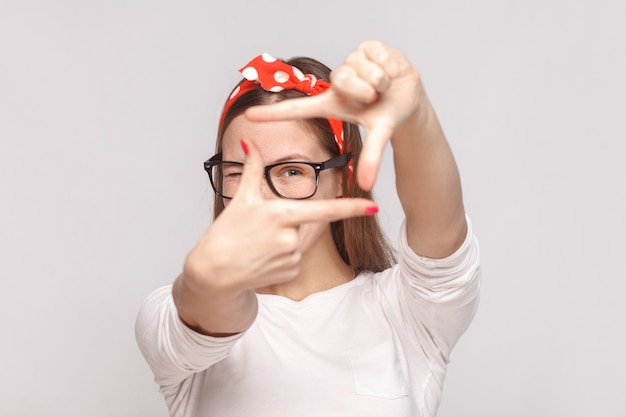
(371, 210)
(244, 146)
(375, 98)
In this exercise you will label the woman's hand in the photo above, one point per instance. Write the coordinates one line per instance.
(378, 88)
(254, 243)
(375, 87)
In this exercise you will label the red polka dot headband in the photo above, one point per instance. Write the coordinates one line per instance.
(274, 75)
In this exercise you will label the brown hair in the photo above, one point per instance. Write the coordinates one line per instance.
(359, 240)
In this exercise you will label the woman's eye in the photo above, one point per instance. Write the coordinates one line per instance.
(291, 172)
(232, 172)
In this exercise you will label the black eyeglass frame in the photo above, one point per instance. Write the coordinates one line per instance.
(335, 162)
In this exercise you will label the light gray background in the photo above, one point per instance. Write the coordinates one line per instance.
(107, 110)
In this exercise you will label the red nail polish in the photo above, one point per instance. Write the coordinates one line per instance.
(371, 210)
(244, 146)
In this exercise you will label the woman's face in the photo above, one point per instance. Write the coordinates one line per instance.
(280, 142)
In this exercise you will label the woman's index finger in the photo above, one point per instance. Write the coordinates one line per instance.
(295, 213)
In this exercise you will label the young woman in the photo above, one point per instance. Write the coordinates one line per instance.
(292, 303)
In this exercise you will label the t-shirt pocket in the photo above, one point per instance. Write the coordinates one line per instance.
(378, 373)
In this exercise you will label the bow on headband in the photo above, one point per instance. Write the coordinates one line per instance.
(274, 75)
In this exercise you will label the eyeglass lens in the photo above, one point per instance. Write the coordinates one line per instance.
(292, 180)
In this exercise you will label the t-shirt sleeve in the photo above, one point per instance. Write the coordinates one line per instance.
(174, 351)
(437, 298)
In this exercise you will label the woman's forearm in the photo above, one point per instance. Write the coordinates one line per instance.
(428, 184)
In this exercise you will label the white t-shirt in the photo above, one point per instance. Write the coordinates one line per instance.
(375, 346)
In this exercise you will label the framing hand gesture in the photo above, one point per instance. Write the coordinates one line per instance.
(255, 242)
(375, 87)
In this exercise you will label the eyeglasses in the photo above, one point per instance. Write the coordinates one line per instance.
(294, 180)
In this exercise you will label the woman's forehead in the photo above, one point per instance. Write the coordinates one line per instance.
(275, 140)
